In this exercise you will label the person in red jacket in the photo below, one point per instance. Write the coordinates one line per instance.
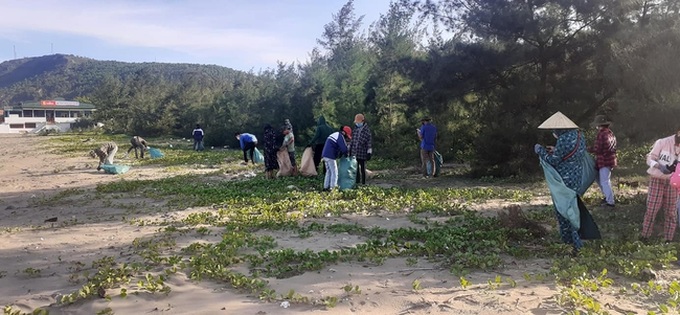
(605, 157)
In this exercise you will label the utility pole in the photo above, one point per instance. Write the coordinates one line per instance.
(51, 48)
(15, 51)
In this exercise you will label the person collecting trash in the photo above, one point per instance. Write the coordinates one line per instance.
(137, 142)
(105, 153)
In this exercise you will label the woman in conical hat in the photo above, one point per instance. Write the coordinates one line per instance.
(565, 157)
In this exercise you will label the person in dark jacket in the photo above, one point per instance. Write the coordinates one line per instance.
(336, 146)
(361, 146)
(323, 130)
(248, 142)
(271, 147)
(198, 138)
(137, 142)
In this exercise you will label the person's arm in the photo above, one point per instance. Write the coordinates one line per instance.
(562, 149)
(242, 143)
(653, 156)
(317, 135)
(342, 145)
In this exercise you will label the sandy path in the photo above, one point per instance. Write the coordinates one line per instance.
(87, 230)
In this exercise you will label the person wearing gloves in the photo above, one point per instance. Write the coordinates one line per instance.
(248, 143)
(565, 158)
(137, 142)
(323, 130)
(105, 153)
(335, 147)
(361, 146)
(662, 161)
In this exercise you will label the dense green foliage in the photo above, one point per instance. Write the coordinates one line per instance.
(488, 71)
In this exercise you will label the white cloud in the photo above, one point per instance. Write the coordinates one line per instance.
(209, 30)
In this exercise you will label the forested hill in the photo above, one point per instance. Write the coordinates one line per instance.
(499, 70)
(71, 77)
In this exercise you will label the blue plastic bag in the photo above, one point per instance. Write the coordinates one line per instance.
(347, 173)
(438, 161)
(257, 156)
(155, 153)
(115, 169)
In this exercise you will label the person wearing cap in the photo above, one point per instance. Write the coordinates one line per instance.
(565, 157)
(427, 134)
(361, 146)
(335, 147)
(660, 194)
(605, 157)
(248, 142)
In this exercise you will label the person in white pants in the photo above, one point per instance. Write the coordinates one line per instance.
(336, 146)
(605, 157)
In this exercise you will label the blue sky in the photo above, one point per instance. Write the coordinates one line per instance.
(239, 34)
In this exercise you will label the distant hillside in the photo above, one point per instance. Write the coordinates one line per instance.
(70, 76)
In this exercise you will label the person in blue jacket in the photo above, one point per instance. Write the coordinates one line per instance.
(335, 147)
(248, 142)
(198, 138)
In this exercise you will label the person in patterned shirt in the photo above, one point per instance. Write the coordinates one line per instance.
(565, 157)
(361, 146)
(105, 153)
(605, 157)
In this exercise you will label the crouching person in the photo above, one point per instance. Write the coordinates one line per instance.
(105, 153)
(138, 142)
(335, 147)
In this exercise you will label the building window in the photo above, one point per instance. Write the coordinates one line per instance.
(87, 113)
(61, 114)
(28, 113)
(30, 125)
(38, 113)
(16, 126)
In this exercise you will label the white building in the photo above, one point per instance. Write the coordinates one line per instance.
(55, 114)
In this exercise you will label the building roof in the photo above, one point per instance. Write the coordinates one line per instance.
(53, 104)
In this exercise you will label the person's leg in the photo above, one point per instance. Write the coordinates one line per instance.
(332, 168)
(430, 157)
(671, 215)
(141, 150)
(327, 177)
(361, 172)
(251, 151)
(654, 202)
(318, 149)
(291, 156)
(423, 161)
(605, 185)
(111, 155)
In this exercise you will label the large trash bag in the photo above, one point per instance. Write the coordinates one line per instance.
(438, 161)
(155, 153)
(307, 167)
(115, 169)
(285, 168)
(589, 174)
(257, 156)
(347, 173)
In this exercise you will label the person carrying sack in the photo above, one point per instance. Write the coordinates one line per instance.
(335, 147)
(137, 142)
(564, 170)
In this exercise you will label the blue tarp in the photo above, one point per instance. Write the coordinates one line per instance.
(115, 169)
(155, 153)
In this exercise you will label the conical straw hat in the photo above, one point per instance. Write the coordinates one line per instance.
(558, 121)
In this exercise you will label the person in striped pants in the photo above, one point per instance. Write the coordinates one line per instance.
(660, 194)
